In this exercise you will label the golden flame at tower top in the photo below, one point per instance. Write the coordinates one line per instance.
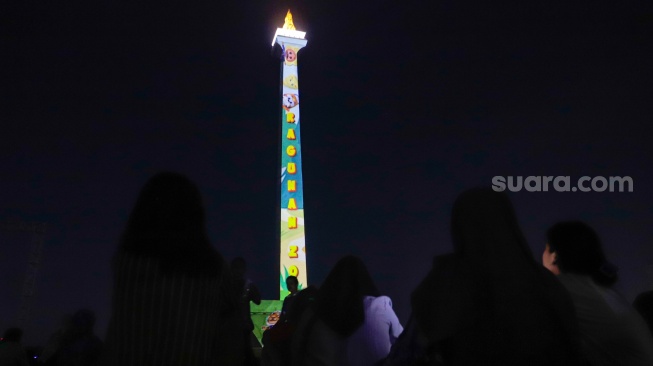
(289, 31)
(287, 23)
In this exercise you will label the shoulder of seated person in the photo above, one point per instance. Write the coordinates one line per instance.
(380, 301)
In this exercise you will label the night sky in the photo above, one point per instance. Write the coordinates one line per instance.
(404, 104)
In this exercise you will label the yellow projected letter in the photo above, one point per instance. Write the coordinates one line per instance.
(292, 205)
(292, 186)
(292, 222)
(292, 251)
(292, 168)
(293, 271)
(291, 134)
(291, 151)
(290, 117)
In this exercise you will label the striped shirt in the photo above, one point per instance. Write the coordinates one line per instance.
(168, 319)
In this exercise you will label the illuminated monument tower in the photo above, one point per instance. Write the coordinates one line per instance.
(292, 235)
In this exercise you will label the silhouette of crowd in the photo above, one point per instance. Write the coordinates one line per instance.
(177, 302)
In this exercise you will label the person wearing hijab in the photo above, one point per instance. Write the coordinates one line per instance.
(489, 302)
(612, 332)
(350, 324)
(172, 303)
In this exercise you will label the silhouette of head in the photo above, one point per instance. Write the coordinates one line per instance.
(485, 230)
(168, 222)
(292, 283)
(169, 202)
(578, 249)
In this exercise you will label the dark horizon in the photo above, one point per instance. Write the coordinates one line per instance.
(403, 105)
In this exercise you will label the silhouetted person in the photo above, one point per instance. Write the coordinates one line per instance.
(246, 292)
(172, 301)
(644, 306)
(12, 352)
(612, 333)
(350, 324)
(276, 340)
(79, 346)
(291, 284)
(490, 302)
(49, 353)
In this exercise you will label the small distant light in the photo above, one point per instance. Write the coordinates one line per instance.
(35, 356)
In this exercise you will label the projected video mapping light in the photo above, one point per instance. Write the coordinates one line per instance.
(292, 242)
(292, 234)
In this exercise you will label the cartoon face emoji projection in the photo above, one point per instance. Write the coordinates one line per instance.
(291, 55)
(289, 101)
(291, 81)
(273, 318)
